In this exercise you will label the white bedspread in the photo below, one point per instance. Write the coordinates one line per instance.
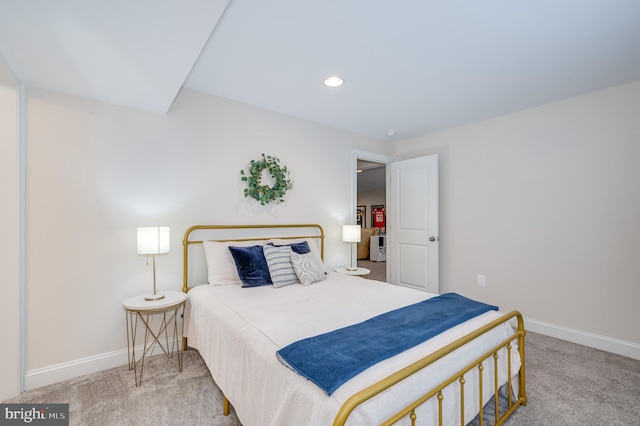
(238, 331)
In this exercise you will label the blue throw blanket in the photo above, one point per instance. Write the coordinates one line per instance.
(330, 359)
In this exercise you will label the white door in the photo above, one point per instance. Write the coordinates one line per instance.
(412, 223)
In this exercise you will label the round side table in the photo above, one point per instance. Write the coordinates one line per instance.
(357, 271)
(167, 335)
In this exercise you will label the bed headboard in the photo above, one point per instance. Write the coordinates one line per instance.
(199, 233)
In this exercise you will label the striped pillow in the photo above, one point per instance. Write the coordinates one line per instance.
(280, 266)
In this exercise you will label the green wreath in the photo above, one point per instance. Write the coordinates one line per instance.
(265, 193)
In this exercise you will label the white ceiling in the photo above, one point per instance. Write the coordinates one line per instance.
(415, 67)
(136, 53)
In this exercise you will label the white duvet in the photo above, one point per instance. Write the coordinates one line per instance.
(238, 331)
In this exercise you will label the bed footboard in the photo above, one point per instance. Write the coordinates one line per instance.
(491, 356)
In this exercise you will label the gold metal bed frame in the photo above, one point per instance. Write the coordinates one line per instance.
(364, 395)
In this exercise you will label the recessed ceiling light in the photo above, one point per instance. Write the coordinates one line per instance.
(333, 81)
(391, 133)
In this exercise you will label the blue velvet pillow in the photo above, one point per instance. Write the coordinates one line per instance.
(251, 265)
(300, 248)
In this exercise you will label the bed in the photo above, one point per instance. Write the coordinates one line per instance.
(454, 377)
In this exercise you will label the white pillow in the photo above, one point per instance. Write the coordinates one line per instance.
(308, 267)
(221, 268)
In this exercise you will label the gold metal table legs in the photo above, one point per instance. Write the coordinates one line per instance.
(167, 337)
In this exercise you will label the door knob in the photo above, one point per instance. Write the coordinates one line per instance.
(434, 239)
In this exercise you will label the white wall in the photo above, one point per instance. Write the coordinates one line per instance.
(96, 172)
(546, 204)
(10, 248)
(6, 77)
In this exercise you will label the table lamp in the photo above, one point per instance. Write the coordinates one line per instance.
(152, 241)
(351, 234)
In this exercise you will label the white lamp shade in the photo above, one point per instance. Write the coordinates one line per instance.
(153, 240)
(351, 233)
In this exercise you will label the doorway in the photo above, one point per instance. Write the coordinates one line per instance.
(371, 196)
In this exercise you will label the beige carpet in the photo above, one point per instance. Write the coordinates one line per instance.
(166, 397)
(378, 269)
(567, 385)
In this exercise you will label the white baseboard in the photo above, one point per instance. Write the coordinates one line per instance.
(68, 370)
(609, 344)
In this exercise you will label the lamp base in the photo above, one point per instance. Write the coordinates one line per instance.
(156, 296)
(351, 268)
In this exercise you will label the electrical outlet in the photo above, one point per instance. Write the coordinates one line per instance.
(481, 280)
